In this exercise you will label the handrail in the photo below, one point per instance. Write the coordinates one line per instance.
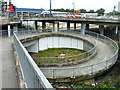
(88, 54)
(106, 63)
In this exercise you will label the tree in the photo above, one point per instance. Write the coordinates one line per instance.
(78, 11)
(112, 13)
(83, 11)
(91, 11)
(100, 11)
(2, 6)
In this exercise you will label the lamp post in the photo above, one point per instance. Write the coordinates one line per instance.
(114, 11)
(50, 9)
(73, 6)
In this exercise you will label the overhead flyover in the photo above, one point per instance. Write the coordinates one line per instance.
(9, 20)
(84, 22)
(74, 20)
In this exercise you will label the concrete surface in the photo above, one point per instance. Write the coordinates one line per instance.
(104, 52)
(9, 75)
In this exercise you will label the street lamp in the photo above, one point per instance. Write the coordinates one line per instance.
(114, 10)
(50, 9)
(73, 6)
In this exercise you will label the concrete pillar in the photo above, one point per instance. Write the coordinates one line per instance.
(56, 26)
(74, 26)
(33, 48)
(16, 14)
(28, 27)
(35, 25)
(87, 27)
(15, 28)
(43, 25)
(117, 33)
(82, 28)
(116, 29)
(101, 29)
(68, 26)
(22, 14)
(9, 31)
(28, 14)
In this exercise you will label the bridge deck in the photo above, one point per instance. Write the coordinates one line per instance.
(73, 20)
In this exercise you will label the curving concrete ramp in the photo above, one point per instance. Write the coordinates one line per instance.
(93, 66)
(107, 53)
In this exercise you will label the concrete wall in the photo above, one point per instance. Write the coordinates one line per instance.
(32, 46)
(59, 42)
(44, 43)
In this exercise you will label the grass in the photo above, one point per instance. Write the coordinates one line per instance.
(103, 85)
(56, 52)
(108, 81)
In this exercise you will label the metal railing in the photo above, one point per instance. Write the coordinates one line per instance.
(85, 70)
(32, 75)
(69, 60)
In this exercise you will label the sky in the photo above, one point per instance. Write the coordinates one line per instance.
(108, 5)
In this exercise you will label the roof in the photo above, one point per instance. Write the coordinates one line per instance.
(28, 10)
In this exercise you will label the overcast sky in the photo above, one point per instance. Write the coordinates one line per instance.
(108, 5)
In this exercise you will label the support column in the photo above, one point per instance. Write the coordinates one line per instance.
(35, 25)
(117, 33)
(15, 28)
(101, 29)
(43, 25)
(74, 26)
(56, 26)
(28, 14)
(87, 27)
(116, 29)
(82, 28)
(9, 31)
(16, 14)
(68, 26)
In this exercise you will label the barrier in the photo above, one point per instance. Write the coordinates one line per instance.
(32, 75)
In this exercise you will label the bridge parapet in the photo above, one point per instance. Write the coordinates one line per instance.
(32, 75)
(67, 19)
(8, 21)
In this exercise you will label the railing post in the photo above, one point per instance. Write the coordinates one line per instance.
(92, 69)
(76, 59)
(97, 36)
(73, 73)
(106, 64)
(53, 74)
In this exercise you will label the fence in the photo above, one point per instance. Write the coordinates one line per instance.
(58, 72)
(85, 70)
(32, 75)
(78, 42)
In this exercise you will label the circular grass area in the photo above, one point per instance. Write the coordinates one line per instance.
(57, 55)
